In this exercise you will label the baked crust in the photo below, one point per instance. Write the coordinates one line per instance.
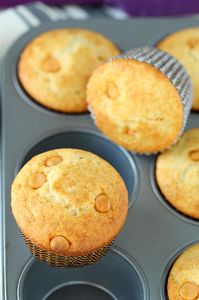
(55, 66)
(184, 46)
(135, 105)
(177, 174)
(185, 270)
(60, 214)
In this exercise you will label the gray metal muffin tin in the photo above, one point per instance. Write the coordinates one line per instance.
(154, 234)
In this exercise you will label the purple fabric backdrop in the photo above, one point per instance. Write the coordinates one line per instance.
(133, 7)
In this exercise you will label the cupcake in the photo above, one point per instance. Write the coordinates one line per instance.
(183, 279)
(184, 46)
(140, 100)
(54, 67)
(177, 174)
(69, 206)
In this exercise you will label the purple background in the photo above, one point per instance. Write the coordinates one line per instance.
(133, 7)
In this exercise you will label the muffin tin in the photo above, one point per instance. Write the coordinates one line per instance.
(137, 265)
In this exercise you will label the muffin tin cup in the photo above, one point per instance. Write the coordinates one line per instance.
(173, 70)
(117, 276)
(166, 204)
(159, 37)
(56, 260)
(168, 266)
(94, 142)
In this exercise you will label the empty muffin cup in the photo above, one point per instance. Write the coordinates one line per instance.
(70, 205)
(141, 99)
(125, 280)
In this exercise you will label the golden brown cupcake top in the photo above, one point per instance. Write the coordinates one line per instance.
(177, 173)
(69, 201)
(55, 66)
(184, 46)
(183, 279)
(135, 105)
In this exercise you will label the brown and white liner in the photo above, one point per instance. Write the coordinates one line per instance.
(171, 68)
(56, 260)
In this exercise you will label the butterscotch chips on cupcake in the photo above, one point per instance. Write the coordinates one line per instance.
(135, 105)
(184, 46)
(177, 173)
(54, 67)
(183, 279)
(69, 202)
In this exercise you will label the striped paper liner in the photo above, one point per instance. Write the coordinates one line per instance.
(56, 260)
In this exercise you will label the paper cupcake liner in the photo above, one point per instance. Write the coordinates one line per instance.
(56, 260)
(173, 70)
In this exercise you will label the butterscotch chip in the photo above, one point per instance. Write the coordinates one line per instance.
(189, 291)
(63, 216)
(183, 278)
(130, 131)
(112, 90)
(53, 161)
(51, 64)
(194, 155)
(184, 46)
(193, 42)
(177, 174)
(102, 203)
(37, 180)
(59, 244)
(55, 66)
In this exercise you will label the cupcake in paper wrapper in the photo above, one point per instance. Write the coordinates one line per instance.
(56, 260)
(69, 205)
(141, 100)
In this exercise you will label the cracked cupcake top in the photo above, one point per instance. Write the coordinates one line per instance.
(69, 201)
